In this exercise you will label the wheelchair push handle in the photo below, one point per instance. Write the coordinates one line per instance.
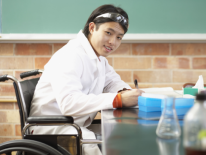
(30, 73)
(4, 78)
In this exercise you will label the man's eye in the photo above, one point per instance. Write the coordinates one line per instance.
(108, 33)
(119, 38)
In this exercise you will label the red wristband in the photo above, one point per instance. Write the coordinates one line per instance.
(117, 102)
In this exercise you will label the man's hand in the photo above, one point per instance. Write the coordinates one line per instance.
(130, 97)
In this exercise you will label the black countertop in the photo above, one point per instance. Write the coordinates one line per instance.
(130, 132)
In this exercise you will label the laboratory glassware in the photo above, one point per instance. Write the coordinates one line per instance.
(168, 126)
(194, 131)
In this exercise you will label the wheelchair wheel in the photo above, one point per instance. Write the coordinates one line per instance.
(28, 146)
(62, 150)
(59, 148)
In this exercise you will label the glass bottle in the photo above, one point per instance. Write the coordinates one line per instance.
(168, 126)
(195, 127)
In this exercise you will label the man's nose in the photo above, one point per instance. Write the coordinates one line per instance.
(112, 40)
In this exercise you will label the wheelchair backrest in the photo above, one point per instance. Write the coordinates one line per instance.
(27, 88)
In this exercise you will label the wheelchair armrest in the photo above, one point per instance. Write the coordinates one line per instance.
(50, 119)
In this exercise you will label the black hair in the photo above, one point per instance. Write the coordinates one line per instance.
(98, 21)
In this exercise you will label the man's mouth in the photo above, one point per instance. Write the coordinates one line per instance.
(108, 49)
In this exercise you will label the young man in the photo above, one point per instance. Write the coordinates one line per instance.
(79, 82)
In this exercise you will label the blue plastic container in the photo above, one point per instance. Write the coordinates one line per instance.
(149, 109)
(182, 105)
(149, 102)
(148, 115)
(180, 111)
(154, 122)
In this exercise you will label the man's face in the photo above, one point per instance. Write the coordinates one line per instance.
(106, 39)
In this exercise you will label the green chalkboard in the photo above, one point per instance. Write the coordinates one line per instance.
(69, 16)
(0, 15)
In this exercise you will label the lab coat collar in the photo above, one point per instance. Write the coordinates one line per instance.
(86, 45)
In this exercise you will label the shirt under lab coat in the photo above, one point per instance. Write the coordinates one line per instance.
(75, 83)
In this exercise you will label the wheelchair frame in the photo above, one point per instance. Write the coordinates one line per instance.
(45, 120)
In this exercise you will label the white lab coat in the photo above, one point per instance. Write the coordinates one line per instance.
(75, 83)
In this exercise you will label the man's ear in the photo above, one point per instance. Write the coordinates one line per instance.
(91, 27)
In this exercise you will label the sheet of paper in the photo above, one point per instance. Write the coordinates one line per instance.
(166, 91)
(148, 90)
(151, 95)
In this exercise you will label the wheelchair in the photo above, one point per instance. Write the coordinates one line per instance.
(41, 144)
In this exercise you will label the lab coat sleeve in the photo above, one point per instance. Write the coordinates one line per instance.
(67, 88)
(113, 82)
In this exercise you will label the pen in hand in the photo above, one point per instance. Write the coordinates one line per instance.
(136, 83)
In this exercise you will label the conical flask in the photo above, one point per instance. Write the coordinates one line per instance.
(168, 126)
(168, 146)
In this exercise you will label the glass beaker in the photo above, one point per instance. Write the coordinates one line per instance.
(168, 146)
(168, 126)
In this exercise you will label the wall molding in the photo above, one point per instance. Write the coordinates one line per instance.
(128, 38)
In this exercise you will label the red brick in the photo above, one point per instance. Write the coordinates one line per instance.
(18, 130)
(144, 85)
(174, 86)
(189, 49)
(6, 72)
(141, 85)
(13, 116)
(6, 90)
(171, 63)
(3, 139)
(184, 63)
(6, 130)
(40, 62)
(199, 63)
(16, 63)
(110, 61)
(131, 85)
(17, 75)
(158, 85)
(132, 63)
(3, 117)
(150, 49)
(58, 46)
(6, 105)
(160, 63)
(123, 49)
(33, 49)
(125, 75)
(153, 76)
(188, 76)
(9, 116)
(16, 105)
(6, 49)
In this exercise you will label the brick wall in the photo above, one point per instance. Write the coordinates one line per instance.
(9, 122)
(153, 65)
